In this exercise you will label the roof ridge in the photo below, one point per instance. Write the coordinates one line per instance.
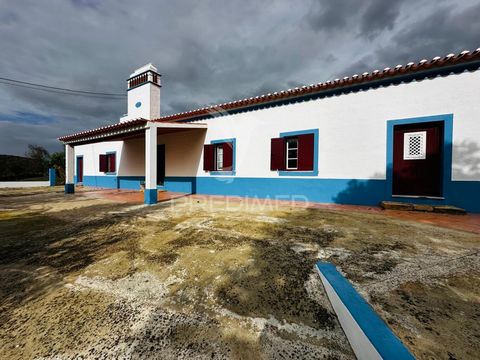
(410, 67)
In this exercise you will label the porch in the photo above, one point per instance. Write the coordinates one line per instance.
(136, 155)
(130, 196)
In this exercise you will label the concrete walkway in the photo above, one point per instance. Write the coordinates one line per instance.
(130, 196)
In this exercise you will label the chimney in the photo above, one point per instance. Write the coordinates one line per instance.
(143, 89)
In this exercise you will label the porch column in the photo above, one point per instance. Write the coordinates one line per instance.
(150, 195)
(69, 169)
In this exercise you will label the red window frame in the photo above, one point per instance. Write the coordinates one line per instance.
(210, 156)
(305, 153)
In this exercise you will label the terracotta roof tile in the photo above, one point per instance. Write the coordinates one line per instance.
(103, 129)
(410, 68)
(437, 62)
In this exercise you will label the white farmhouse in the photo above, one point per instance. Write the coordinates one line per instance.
(409, 133)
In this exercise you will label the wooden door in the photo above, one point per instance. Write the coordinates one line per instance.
(417, 159)
(80, 169)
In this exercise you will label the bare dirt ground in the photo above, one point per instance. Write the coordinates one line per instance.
(91, 278)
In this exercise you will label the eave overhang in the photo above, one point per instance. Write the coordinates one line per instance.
(126, 130)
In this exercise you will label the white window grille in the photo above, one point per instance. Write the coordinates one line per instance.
(292, 154)
(219, 156)
(415, 145)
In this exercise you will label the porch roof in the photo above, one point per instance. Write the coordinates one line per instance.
(126, 130)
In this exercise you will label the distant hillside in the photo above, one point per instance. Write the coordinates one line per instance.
(14, 168)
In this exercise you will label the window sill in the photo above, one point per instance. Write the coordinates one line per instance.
(419, 197)
(227, 172)
(297, 173)
(110, 173)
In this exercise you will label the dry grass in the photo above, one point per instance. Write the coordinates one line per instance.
(83, 277)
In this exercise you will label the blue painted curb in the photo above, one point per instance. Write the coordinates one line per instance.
(69, 188)
(387, 344)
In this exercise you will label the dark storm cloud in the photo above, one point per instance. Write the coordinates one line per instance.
(366, 18)
(444, 30)
(208, 52)
(332, 15)
(380, 15)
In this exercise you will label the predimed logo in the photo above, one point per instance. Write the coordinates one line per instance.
(138, 104)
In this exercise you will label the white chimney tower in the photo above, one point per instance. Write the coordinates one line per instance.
(143, 94)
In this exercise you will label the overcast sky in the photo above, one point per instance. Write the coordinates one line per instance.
(207, 52)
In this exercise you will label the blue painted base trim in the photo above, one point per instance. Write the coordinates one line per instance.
(464, 194)
(361, 192)
(69, 188)
(183, 184)
(150, 196)
(105, 181)
(130, 182)
(382, 338)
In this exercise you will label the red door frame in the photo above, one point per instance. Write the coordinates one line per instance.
(79, 169)
(418, 177)
(447, 140)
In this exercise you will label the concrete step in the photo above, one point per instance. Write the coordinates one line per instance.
(444, 209)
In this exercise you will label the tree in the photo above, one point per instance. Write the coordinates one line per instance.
(57, 161)
(40, 156)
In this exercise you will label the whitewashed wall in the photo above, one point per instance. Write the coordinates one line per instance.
(183, 152)
(91, 154)
(149, 97)
(352, 132)
(353, 127)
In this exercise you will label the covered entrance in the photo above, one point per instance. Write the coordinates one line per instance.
(417, 159)
(126, 170)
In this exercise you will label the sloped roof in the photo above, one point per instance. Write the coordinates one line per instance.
(104, 129)
(127, 128)
(424, 65)
(389, 75)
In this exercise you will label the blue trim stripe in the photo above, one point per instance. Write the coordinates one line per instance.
(341, 191)
(150, 196)
(314, 172)
(464, 194)
(130, 182)
(382, 338)
(101, 181)
(180, 184)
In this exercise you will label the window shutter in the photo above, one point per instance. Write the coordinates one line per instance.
(103, 163)
(277, 154)
(208, 157)
(227, 156)
(305, 152)
(111, 163)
